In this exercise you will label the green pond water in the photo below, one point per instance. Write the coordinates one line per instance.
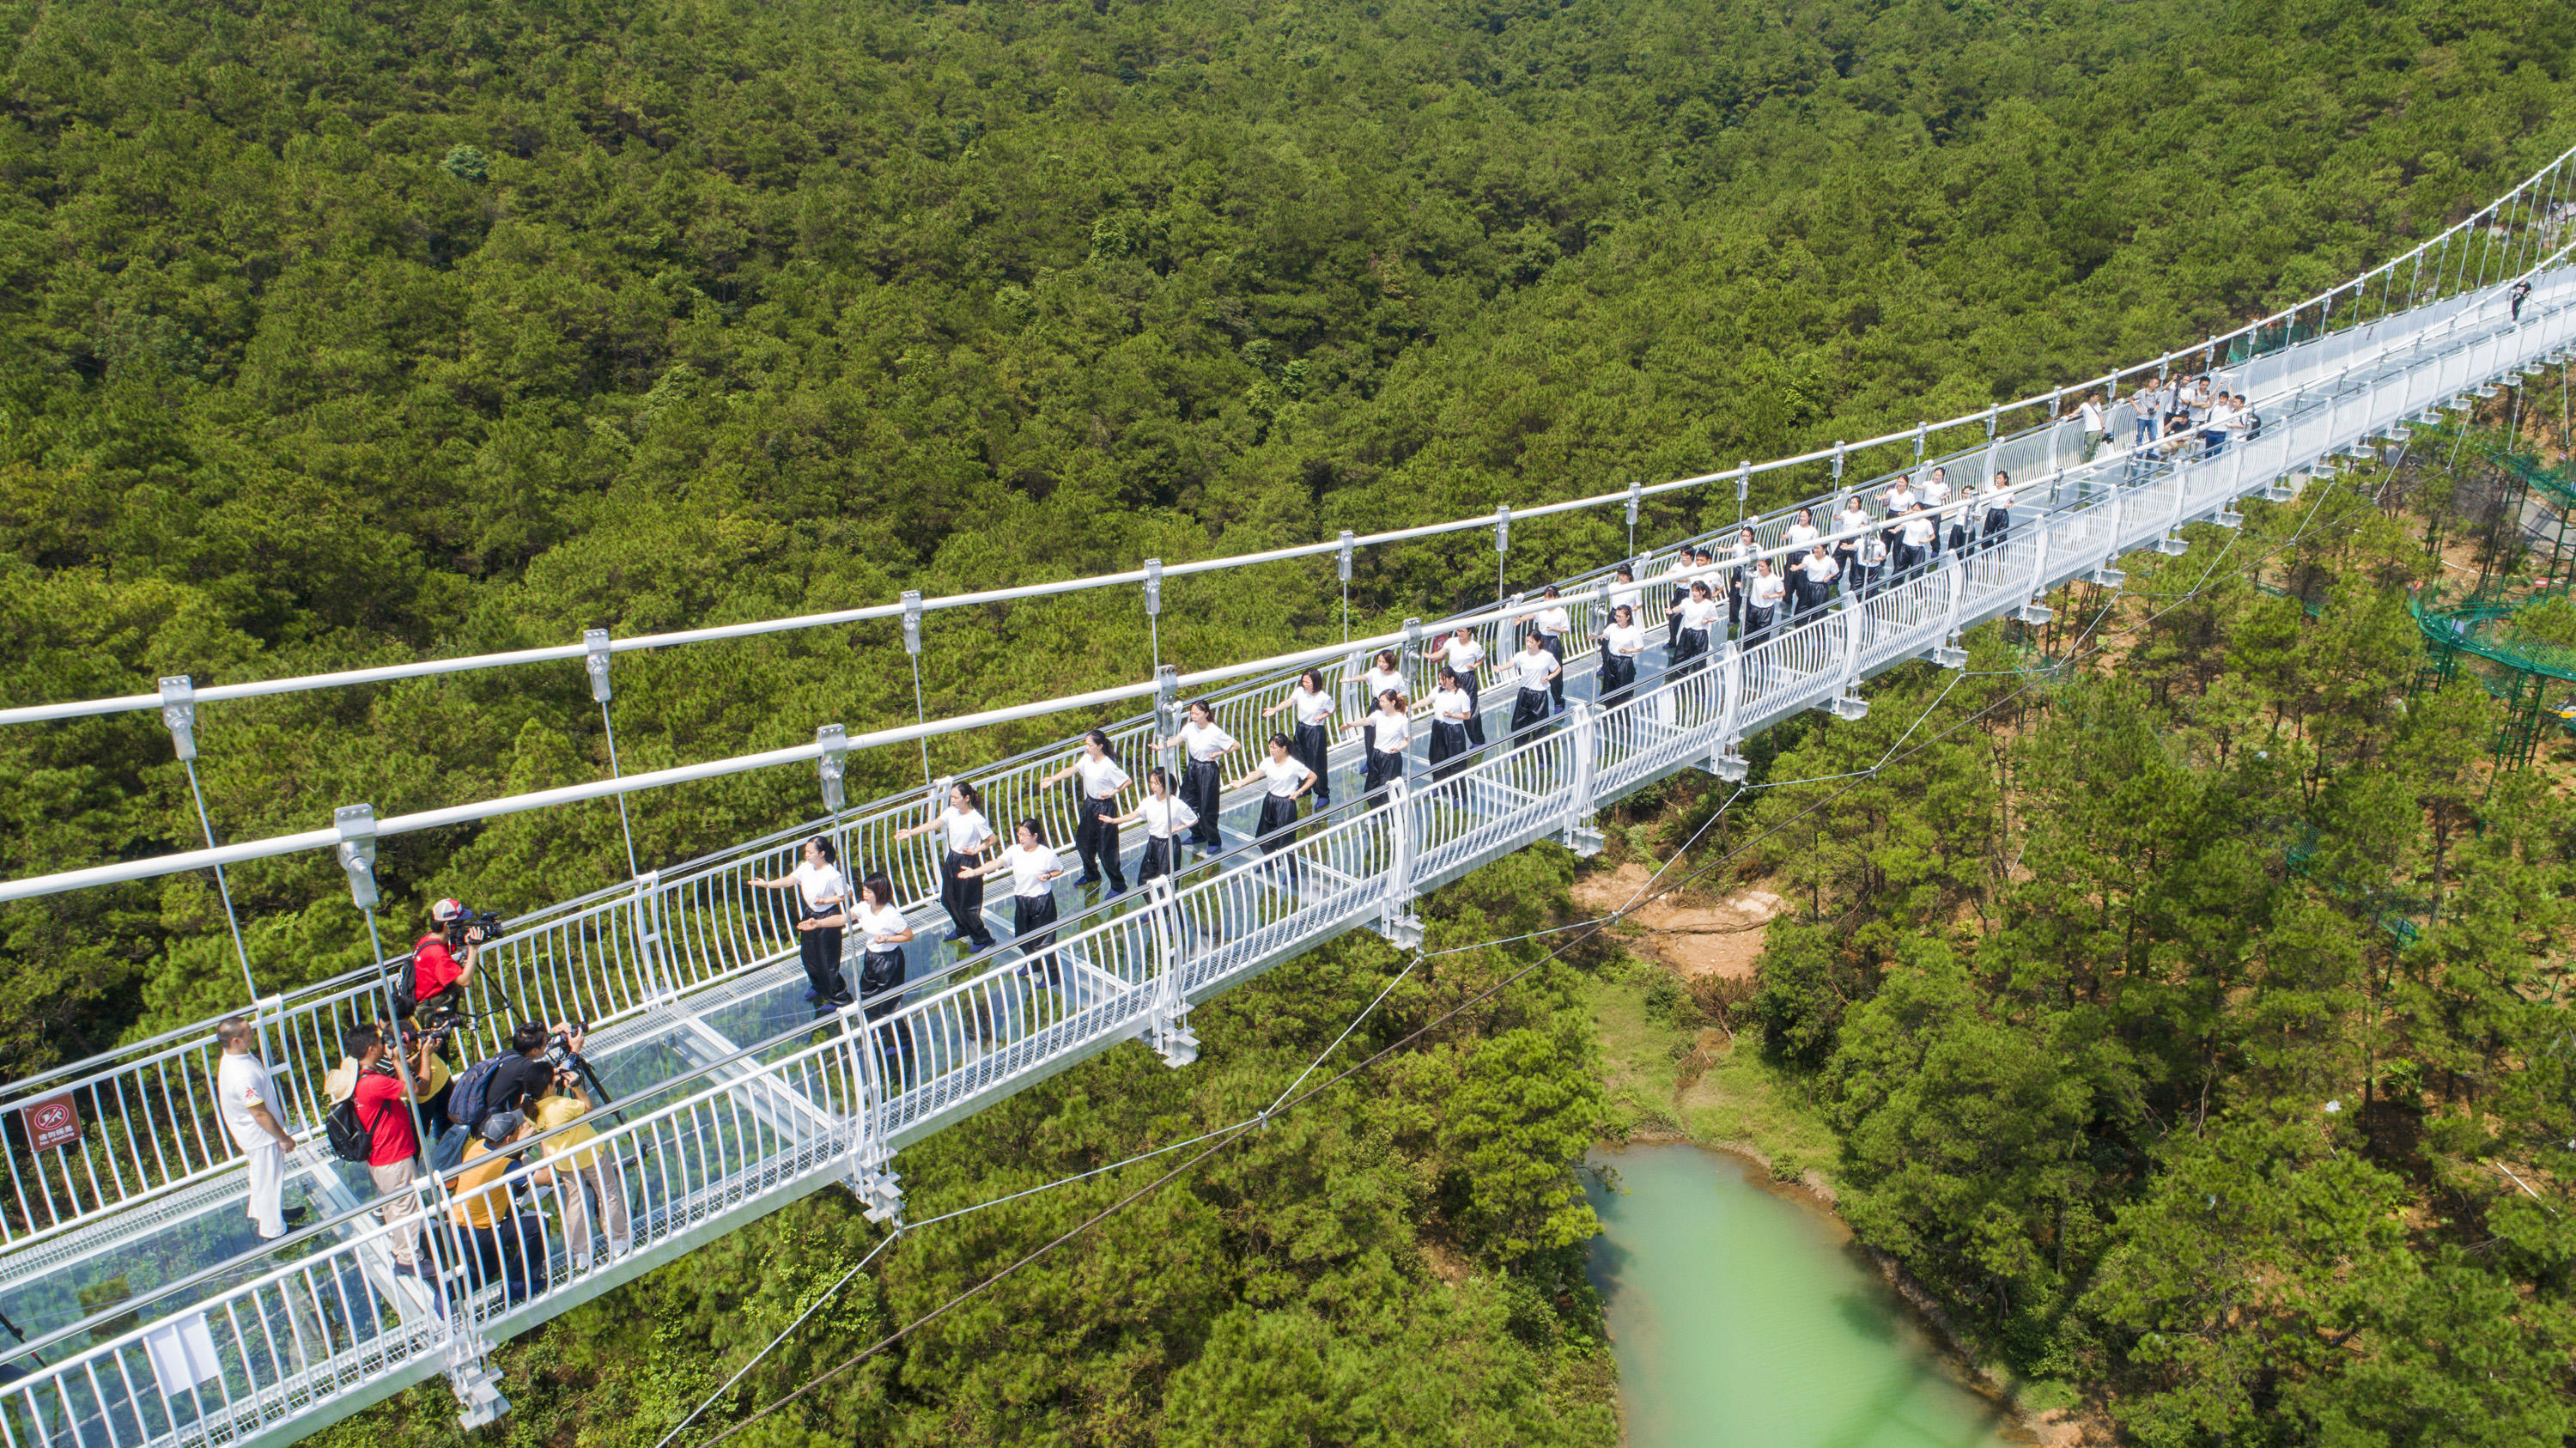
(1742, 1317)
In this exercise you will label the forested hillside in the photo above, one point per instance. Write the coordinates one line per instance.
(363, 332)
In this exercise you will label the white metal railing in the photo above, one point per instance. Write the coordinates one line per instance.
(285, 1340)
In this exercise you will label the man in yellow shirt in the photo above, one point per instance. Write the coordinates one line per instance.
(501, 1240)
(572, 1164)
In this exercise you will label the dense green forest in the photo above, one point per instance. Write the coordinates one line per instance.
(361, 332)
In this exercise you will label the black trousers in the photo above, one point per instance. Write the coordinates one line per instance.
(1958, 535)
(1033, 930)
(1618, 676)
(1384, 766)
(1475, 710)
(1998, 525)
(881, 986)
(821, 952)
(1277, 829)
(1692, 655)
(1200, 787)
(1673, 621)
(1904, 561)
(1159, 860)
(964, 899)
(1097, 839)
(1757, 625)
(1555, 644)
(1449, 748)
(1529, 710)
(1312, 746)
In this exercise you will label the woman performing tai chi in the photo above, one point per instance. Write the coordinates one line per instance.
(1621, 643)
(881, 969)
(1385, 672)
(1312, 742)
(1096, 837)
(1388, 733)
(1537, 668)
(968, 837)
(1451, 707)
(817, 880)
(1205, 744)
(1463, 655)
(1034, 868)
(1165, 817)
(1288, 778)
(1695, 616)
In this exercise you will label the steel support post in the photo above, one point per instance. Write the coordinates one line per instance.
(1396, 920)
(1167, 1019)
(1582, 732)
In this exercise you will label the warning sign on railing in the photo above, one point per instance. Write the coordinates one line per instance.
(54, 1121)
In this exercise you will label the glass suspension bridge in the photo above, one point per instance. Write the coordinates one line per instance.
(145, 1312)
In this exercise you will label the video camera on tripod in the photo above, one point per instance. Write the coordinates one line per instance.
(471, 927)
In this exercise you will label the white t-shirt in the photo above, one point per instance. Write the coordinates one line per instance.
(1446, 702)
(1463, 656)
(2091, 414)
(1204, 742)
(1379, 681)
(1935, 493)
(1699, 613)
(1899, 499)
(1873, 551)
(1625, 640)
(1284, 775)
(820, 884)
(1998, 499)
(1918, 530)
(1819, 570)
(1850, 520)
(1769, 590)
(1100, 777)
(877, 925)
(1166, 817)
(1555, 621)
(965, 828)
(1027, 866)
(1957, 507)
(1393, 731)
(1800, 533)
(240, 1083)
(1629, 594)
(1311, 706)
(2222, 416)
(1533, 667)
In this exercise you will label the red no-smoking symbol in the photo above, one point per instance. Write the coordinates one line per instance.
(54, 1122)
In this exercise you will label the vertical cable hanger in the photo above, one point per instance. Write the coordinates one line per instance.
(179, 716)
(912, 651)
(1154, 608)
(1502, 545)
(1346, 588)
(594, 659)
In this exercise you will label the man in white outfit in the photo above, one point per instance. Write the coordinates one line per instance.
(248, 1101)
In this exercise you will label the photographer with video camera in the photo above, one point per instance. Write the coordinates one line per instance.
(444, 960)
(503, 1244)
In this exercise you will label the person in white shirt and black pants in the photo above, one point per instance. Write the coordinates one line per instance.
(1313, 740)
(1451, 707)
(1998, 503)
(1287, 777)
(1536, 668)
(968, 838)
(1096, 833)
(881, 965)
(1034, 867)
(1463, 656)
(1762, 603)
(1388, 733)
(1621, 644)
(1164, 818)
(1695, 616)
(1553, 625)
(1202, 744)
(820, 891)
(1385, 672)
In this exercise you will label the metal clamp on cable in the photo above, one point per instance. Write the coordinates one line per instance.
(179, 714)
(357, 852)
(1153, 586)
(594, 659)
(912, 622)
(831, 763)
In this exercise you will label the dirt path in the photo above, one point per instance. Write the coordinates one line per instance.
(1720, 940)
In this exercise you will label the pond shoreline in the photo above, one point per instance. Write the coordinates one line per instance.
(1812, 1192)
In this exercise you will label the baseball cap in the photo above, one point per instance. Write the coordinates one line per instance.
(446, 910)
(500, 1126)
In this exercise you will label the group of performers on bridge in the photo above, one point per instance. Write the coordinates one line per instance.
(1705, 597)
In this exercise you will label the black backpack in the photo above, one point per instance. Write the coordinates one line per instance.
(2253, 426)
(465, 1104)
(350, 1138)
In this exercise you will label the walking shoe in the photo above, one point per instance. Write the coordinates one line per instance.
(1086, 882)
(952, 936)
(811, 993)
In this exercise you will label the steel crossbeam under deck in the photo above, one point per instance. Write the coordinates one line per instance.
(743, 1129)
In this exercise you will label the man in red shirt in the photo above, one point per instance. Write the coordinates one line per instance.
(384, 1109)
(443, 960)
